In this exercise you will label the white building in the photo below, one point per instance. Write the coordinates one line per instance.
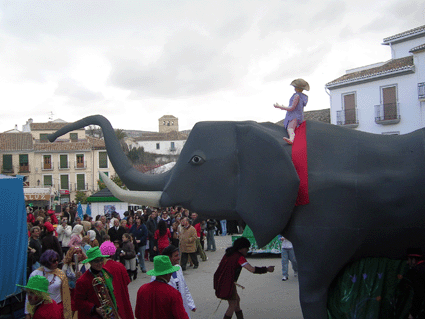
(387, 97)
(169, 141)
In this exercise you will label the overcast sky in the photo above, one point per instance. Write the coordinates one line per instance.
(135, 61)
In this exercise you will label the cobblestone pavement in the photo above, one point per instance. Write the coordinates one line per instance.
(265, 296)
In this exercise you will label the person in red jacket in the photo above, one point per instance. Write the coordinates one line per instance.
(157, 299)
(228, 273)
(40, 305)
(86, 299)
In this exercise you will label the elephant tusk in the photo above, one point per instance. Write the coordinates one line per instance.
(147, 198)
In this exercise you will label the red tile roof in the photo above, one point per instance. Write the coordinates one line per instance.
(49, 126)
(16, 142)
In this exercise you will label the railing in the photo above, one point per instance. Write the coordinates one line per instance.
(62, 168)
(47, 166)
(80, 165)
(348, 118)
(388, 113)
(7, 170)
(24, 168)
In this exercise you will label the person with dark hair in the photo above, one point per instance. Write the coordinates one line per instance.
(162, 236)
(128, 252)
(177, 279)
(151, 225)
(58, 282)
(50, 241)
(140, 233)
(34, 245)
(228, 272)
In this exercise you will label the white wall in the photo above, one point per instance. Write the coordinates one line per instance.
(150, 146)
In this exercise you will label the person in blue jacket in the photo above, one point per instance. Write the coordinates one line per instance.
(140, 234)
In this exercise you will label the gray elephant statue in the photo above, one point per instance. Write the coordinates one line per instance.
(366, 191)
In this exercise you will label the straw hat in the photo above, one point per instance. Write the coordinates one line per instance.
(38, 283)
(162, 266)
(301, 84)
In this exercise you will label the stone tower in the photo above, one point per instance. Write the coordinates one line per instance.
(168, 123)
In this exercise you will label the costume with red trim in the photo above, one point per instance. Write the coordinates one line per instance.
(227, 274)
(86, 298)
(48, 310)
(159, 300)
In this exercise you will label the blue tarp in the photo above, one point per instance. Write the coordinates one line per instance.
(13, 236)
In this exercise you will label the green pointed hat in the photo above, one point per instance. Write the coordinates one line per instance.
(38, 283)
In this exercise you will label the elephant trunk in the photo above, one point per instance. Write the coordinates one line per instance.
(132, 178)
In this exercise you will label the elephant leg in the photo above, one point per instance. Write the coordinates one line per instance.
(319, 262)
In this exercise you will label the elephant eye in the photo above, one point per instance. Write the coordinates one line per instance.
(197, 160)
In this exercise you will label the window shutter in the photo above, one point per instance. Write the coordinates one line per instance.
(103, 160)
(47, 180)
(23, 159)
(64, 161)
(7, 162)
(64, 182)
(80, 181)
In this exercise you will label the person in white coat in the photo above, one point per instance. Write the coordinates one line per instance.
(64, 234)
(177, 279)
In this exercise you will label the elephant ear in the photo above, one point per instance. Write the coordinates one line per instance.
(268, 182)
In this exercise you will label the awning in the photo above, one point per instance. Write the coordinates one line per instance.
(33, 197)
(37, 194)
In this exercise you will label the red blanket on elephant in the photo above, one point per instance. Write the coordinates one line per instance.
(299, 158)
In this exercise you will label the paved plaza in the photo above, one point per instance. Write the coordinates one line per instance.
(265, 296)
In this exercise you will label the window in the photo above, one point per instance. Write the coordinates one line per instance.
(103, 160)
(80, 161)
(47, 180)
(63, 161)
(47, 162)
(350, 108)
(388, 111)
(73, 137)
(23, 163)
(389, 101)
(81, 181)
(64, 182)
(7, 163)
(157, 146)
(43, 137)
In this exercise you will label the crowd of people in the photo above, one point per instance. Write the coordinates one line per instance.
(67, 251)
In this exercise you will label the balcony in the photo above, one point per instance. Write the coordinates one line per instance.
(79, 165)
(63, 167)
(388, 113)
(47, 166)
(421, 91)
(24, 168)
(7, 170)
(347, 118)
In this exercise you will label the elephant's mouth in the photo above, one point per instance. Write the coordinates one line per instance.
(148, 198)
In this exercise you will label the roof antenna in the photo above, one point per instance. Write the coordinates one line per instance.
(51, 116)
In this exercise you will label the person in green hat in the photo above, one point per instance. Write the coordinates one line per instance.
(40, 305)
(86, 299)
(157, 299)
